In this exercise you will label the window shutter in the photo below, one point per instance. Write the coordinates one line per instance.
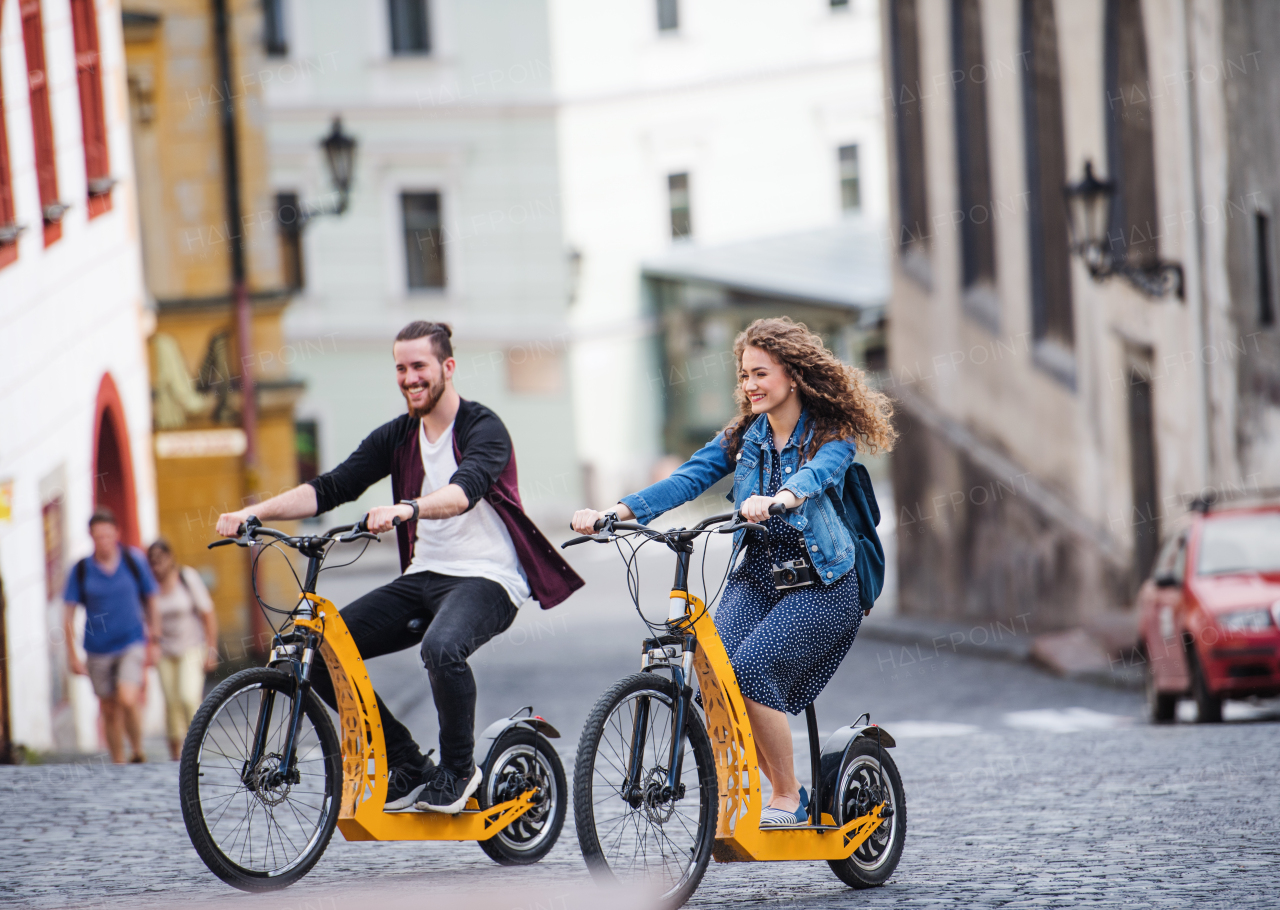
(41, 121)
(8, 250)
(97, 164)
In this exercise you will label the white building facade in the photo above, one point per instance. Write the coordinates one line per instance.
(707, 118)
(557, 145)
(74, 393)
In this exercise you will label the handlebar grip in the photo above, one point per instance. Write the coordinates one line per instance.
(395, 522)
(778, 509)
(603, 521)
(363, 523)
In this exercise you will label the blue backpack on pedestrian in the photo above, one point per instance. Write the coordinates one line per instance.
(128, 561)
(862, 515)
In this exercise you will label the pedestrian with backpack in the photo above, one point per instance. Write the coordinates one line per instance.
(792, 607)
(117, 591)
(188, 640)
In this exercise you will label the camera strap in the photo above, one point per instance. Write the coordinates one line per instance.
(768, 543)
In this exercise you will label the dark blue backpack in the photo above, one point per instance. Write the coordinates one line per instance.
(861, 516)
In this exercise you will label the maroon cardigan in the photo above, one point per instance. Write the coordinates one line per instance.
(486, 469)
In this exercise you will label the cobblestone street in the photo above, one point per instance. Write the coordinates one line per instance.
(1022, 790)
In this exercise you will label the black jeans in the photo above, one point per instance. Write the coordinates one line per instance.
(461, 615)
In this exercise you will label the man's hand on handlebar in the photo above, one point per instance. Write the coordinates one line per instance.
(756, 508)
(229, 522)
(584, 520)
(381, 518)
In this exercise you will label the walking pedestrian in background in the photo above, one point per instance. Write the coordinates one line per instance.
(188, 640)
(117, 591)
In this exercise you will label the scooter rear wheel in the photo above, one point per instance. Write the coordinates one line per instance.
(520, 759)
(867, 777)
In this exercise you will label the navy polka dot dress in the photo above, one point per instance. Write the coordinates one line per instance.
(785, 645)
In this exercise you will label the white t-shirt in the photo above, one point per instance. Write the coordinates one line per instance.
(474, 544)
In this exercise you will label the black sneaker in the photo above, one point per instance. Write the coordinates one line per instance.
(448, 791)
(405, 783)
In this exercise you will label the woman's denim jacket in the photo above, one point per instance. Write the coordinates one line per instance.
(831, 544)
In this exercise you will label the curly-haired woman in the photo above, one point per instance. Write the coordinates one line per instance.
(784, 645)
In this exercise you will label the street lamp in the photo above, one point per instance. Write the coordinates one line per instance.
(340, 155)
(340, 152)
(1088, 216)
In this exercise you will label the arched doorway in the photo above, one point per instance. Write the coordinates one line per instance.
(112, 462)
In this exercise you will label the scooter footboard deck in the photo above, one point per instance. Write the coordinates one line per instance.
(800, 843)
(480, 824)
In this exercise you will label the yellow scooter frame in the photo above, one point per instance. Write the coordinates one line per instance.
(739, 837)
(364, 753)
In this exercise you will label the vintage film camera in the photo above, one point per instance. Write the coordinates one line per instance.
(791, 574)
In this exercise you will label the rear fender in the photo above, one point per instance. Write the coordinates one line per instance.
(486, 740)
(837, 747)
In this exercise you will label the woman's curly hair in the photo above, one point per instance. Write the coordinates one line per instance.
(840, 403)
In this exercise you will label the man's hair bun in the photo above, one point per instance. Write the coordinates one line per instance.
(438, 332)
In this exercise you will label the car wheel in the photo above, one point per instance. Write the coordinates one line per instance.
(1161, 706)
(1208, 705)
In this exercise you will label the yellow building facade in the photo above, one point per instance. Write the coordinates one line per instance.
(178, 94)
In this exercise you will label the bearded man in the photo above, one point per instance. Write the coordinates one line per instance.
(469, 556)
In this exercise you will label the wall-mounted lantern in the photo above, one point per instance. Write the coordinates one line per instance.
(340, 155)
(1088, 217)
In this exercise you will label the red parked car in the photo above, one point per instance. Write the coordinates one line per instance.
(1209, 615)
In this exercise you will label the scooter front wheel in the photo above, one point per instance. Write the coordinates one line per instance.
(633, 827)
(521, 760)
(257, 824)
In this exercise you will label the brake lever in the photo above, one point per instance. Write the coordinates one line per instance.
(598, 538)
(740, 526)
(244, 539)
(358, 535)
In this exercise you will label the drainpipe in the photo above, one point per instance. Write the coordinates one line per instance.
(239, 290)
(231, 179)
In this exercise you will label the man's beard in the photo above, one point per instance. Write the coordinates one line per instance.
(434, 390)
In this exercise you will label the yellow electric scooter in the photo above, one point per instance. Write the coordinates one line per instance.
(661, 788)
(264, 777)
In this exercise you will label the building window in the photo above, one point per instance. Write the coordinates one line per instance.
(977, 232)
(678, 191)
(668, 15)
(410, 31)
(850, 191)
(908, 116)
(306, 436)
(840, 4)
(41, 122)
(8, 227)
(1142, 466)
(273, 35)
(1130, 145)
(97, 163)
(289, 224)
(423, 240)
(1051, 311)
(1266, 281)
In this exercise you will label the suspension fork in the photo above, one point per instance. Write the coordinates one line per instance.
(680, 674)
(684, 695)
(635, 763)
(302, 685)
(302, 676)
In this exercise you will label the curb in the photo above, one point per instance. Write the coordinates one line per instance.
(990, 641)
